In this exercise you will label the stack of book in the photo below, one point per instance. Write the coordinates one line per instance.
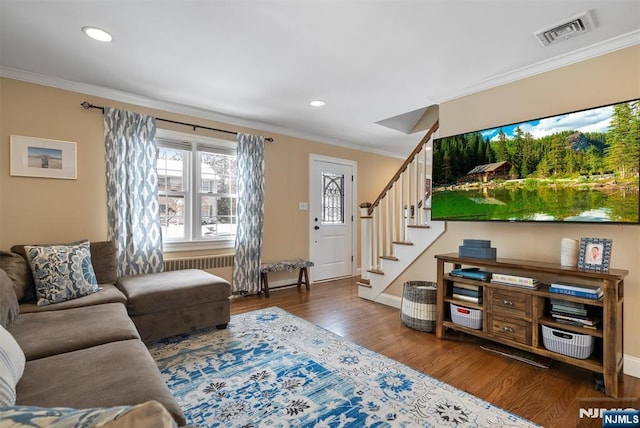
(573, 313)
(467, 292)
(585, 291)
(517, 281)
(471, 273)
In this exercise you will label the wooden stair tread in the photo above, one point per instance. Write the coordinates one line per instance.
(376, 271)
(364, 283)
(419, 226)
(389, 258)
(403, 242)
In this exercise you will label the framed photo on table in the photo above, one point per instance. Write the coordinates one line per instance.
(595, 254)
(39, 157)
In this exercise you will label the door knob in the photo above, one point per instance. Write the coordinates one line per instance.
(316, 227)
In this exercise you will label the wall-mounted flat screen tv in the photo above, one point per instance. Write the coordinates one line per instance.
(575, 167)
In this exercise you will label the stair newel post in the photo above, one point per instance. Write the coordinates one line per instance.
(365, 240)
(374, 240)
(387, 225)
(416, 210)
(408, 207)
(394, 208)
(380, 233)
(401, 209)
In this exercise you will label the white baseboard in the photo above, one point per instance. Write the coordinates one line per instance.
(389, 300)
(632, 366)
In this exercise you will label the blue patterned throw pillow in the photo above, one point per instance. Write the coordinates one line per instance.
(62, 272)
(148, 414)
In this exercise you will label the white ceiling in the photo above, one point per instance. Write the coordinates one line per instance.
(258, 63)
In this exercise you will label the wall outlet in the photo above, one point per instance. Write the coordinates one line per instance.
(303, 206)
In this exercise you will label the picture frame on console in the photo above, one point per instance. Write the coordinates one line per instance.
(595, 254)
(44, 158)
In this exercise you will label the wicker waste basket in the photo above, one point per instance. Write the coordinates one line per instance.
(419, 305)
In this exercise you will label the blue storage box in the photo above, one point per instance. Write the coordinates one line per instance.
(476, 243)
(477, 252)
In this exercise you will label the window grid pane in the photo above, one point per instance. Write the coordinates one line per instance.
(171, 169)
(172, 216)
(332, 198)
(172, 166)
(217, 186)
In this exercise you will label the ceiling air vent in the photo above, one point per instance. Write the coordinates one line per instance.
(574, 26)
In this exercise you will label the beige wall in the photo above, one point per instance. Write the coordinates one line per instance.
(50, 210)
(609, 78)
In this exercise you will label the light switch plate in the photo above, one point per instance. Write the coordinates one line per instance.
(303, 206)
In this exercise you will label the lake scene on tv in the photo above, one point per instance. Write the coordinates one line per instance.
(574, 167)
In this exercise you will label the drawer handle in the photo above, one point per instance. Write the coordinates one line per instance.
(507, 302)
(508, 329)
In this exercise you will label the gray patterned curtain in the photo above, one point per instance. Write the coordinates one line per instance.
(132, 191)
(246, 266)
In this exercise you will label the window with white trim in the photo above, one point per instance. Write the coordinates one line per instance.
(196, 191)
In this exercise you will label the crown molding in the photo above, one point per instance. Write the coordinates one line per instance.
(129, 98)
(579, 55)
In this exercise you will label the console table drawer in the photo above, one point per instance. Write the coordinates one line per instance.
(510, 329)
(511, 302)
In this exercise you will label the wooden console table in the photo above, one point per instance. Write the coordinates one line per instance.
(514, 316)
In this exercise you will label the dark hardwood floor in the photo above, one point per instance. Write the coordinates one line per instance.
(550, 397)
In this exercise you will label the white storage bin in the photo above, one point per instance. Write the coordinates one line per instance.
(575, 345)
(471, 318)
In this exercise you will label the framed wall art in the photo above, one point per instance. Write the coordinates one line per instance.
(38, 157)
(595, 254)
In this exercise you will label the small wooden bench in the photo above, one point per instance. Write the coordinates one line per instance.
(288, 265)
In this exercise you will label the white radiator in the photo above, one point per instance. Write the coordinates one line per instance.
(203, 262)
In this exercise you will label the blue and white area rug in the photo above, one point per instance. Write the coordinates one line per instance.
(273, 369)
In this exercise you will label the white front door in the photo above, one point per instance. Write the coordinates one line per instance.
(331, 208)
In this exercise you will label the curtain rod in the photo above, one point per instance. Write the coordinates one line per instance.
(87, 105)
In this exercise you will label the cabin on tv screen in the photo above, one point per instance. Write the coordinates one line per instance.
(488, 172)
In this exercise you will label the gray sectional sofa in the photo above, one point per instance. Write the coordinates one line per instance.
(86, 352)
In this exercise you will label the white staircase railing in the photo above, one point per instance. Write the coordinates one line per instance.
(404, 204)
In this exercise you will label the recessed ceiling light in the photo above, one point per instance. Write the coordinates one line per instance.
(317, 103)
(97, 34)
